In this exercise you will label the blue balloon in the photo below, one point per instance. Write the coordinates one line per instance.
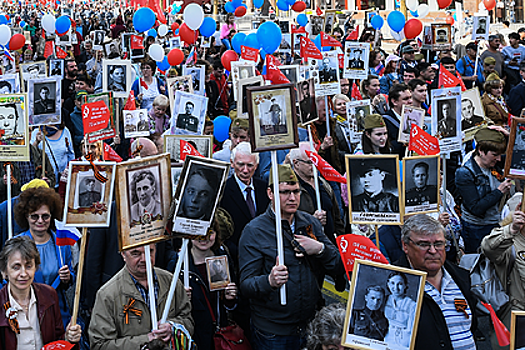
(283, 5)
(378, 21)
(208, 26)
(237, 3)
(251, 41)
(414, 13)
(152, 32)
(302, 19)
(22, 24)
(269, 36)
(290, 2)
(317, 42)
(258, 3)
(144, 19)
(263, 56)
(3, 20)
(164, 64)
(62, 24)
(237, 41)
(229, 7)
(221, 128)
(396, 21)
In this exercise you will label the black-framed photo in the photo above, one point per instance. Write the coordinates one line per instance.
(317, 24)
(9, 84)
(273, 120)
(410, 116)
(44, 101)
(307, 106)
(329, 21)
(98, 40)
(441, 36)
(255, 25)
(63, 40)
(517, 330)
(198, 194)
(56, 68)
(197, 74)
(296, 42)
(136, 123)
(125, 40)
(202, 143)
(116, 77)
(144, 193)
(110, 130)
(176, 171)
(14, 128)
(88, 199)
(188, 114)
(446, 126)
(242, 96)
(112, 47)
(356, 60)
(218, 272)
(515, 159)
(374, 189)
(291, 72)
(481, 28)
(175, 43)
(326, 74)
(33, 70)
(472, 113)
(421, 175)
(395, 294)
(357, 111)
(240, 70)
(284, 26)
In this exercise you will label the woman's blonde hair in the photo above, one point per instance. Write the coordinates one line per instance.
(161, 101)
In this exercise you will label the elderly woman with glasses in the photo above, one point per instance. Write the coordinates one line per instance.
(30, 317)
(36, 211)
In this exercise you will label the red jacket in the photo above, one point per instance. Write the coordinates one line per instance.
(49, 318)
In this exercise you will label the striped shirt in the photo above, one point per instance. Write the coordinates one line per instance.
(458, 324)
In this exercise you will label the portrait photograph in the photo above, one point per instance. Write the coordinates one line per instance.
(329, 22)
(98, 40)
(63, 40)
(317, 23)
(176, 171)
(116, 77)
(110, 131)
(472, 113)
(296, 42)
(326, 74)
(356, 60)
(33, 70)
(517, 330)
(410, 116)
(284, 26)
(44, 101)
(89, 197)
(357, 111)
(421, 176)
(183, 83)
(480, 28)
(14, 128)
(441, 37)
(144, 193)
(218, 272)
(112, 48)
(395, 295)
(198, 194)
(374, 189)
(73, 35)
(291, 72)
(188, 114)
(197, 74)
(515, 159)
(447, 125)
(175, 43)
(202, 143)
(273, 120)
(306, 97)
(9, 84)
(136, 123)
(240, 70)
(205, 42)
(56, 68)
(242, 96)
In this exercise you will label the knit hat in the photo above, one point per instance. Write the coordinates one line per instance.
(374, 121)
(486, 134)
(286, 174)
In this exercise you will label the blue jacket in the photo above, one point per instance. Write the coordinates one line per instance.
(78, 126)
(516, 100)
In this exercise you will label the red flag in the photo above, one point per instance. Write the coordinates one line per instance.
(154, 5)
(353, 247)
(461, 83)
(249, 54)
(341, 59)
(59, 345)
(130, 103)
(447, 79)
(422, 143)
(48, 49)
(95, 116)
(309, 50)
(355, 94)
(273, 73)
(354, 35)
(61, 53)
(502, 333)
(136, 42)
(326, 170)
(327, 40)
(110, 154)
(187, 149)
(318, 11)
(298, 30)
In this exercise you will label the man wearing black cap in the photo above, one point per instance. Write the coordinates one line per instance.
(374, 199)
(409, 59)
(358, 62)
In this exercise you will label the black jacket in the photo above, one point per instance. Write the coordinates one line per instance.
(516, 100)
(393, 133)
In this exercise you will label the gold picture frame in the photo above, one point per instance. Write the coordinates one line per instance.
(419, 197)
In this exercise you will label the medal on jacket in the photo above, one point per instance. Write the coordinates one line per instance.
(461, 305)
(129, 308)
(11, 314)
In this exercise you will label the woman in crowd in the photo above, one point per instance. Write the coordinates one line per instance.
(390, 75)
(226, 30)
(148, 87)
(493, 102)
(371, 89)
(342, 128)
(325, 330)
(376, 63)
(159, 121)
(374, 139)
(31, 310)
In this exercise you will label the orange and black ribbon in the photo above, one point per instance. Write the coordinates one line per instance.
(90, 157)
(129, 308)
(461, 305)
(137, 151)
(13, 180)
(11, 318)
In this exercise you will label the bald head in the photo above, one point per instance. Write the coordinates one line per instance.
(148, 147)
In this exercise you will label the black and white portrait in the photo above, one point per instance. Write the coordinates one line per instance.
(472, 112)
(328, 71)
(116, 77)
(256, 24)
(44, 97)
(306, 97)
(240, 71)
(317, 23)
(356, 111)
(329, 22)
(441, 36)
(326, 74)
(183, 83)
(356, 60)
(290, 72)
(176, 171)
(480, 28)
(286, 43)
(421, 184)
(125, 39)
(56, 68)
(112, 49)
(63, 40)
(218, 272)
(446, 118)
(175, 43)
(410, 116)
(515, 160)
(98, 40)
(35, 70)
(197, 77)
(202, 143)
(136, 123)
(242, 96)
(90, 190)
(272, 114)
(144, 195)
(189, 113)
(284, 26)
(9, 84)
(296, 41)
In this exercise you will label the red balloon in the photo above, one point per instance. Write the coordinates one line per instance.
(412, 28)
(449, 20)
(227, 58)
(240, 11)
(59, 34)
(489, 4)
(187, 35)
(175, 57)
(299, 6)
(17, 42)
(444, 3)
(174, 26)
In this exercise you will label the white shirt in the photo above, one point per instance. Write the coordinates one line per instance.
(29, 337)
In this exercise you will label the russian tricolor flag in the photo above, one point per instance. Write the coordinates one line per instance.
(66, 235)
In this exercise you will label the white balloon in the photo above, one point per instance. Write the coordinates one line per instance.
(398, 36)
(48, 23)
(308, 28)
(481, 6)
(193, 16)
(412, 5)
(156, 52)
(423, 10)
(5, 34)
(163, 30)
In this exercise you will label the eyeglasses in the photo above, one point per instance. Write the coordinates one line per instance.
(287, 193)
(309, 162)
(44, 217)
(439, 245)
(145, 67)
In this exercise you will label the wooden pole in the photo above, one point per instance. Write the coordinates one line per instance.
(377, 235)
(278, 225)
(81, 259)
(9, 204)
(327, 117)
(178, 267)
(151, 287)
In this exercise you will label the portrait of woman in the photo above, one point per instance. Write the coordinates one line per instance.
(117, 78)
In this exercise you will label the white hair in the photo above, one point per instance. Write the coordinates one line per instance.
(243, 148)
(299, 153)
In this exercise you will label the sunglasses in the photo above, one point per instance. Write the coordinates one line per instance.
(44, 217)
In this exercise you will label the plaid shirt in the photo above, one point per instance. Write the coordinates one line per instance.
(144, 292)
(27, 171)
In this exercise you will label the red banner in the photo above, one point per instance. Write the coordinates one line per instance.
(249, 54)
(273, 73)
(187, 149)
(309, 50)
(61, 53)
(353, 247)
(318, 11)
(326, 170)
(110, 154)
(355, 94)
(130, 103)
(422, 143)
(136, 42)
(354, 35)
(327, 40)
(447, 79)
(95, 116)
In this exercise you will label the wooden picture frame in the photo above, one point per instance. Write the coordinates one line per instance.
(44, 98)
(515, 158)
(241, 70)
(273, 121)
(218, 272)
(307, 107)
(517, 337)
(112, 80)
(242, 96)
(14, 142)
(441, 36)
(421, 183)
(472, 108)
(202, 143)
(410, 115)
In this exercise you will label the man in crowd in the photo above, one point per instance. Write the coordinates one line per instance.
(409, 73)
(399, 96)
(68, 83)
(426, 72)
(493, 51)
(466, 64)
(408, 60)
(516, 99)
(513, 55)
(419, 94)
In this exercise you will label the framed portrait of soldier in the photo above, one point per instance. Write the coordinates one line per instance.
(56, 68)
(63, 40)
(291, 72)
(441, 36)
(188, 114)
(481, 28)
(472, 113)
(116, 77)
(174, 42)
(286, 44)
(306, 97)
(201, 143)
(110, 130)
(240, 70)
(325, 72)
(144, 192)
(356, 60)
(218, 272)
(273, 120)
(197, 74)
(410, 116)
(374, 189)
(14, 128)
(421, 175)
(89, 194)
(112, 48)
(44, 101)
(284, 26)
(517, 330)
(329, 21)
(183, 83)
(296, 42)
(356, 112)
(33, 70)
(98, 40)
(317, 23)
(394, 296)
(515, 159)
(198, 194)
(9, 84)
(446, 125)
(136, 123)
(242, 96)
